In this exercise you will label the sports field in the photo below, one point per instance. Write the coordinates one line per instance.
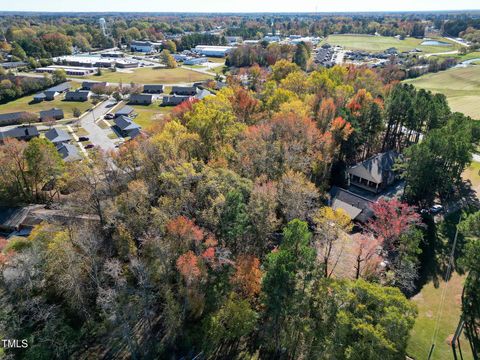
(460, 85)
(381, 43)
(152, 76)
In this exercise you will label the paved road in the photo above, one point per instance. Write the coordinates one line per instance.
(98, 136)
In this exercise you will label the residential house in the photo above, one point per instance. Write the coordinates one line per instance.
(357, 207)
(174, 100)
(375, 173)
(39, 97)
(68, 152)
(54, 113)
(125, 111)
(52, 92)
(79, 95)
(152, 89)
(184, 90)
(141, 99)
(58, 136)
(89, 85)
(24, 133)
(14, 118)
(127, 127)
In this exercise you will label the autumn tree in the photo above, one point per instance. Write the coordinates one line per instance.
(331, 225)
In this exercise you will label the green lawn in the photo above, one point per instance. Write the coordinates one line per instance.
(428, 301)
(460, 85)
(152, 76)
(381, 43)
(25, 104)
(149, 115)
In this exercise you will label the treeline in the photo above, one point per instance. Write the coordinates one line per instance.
(13, 87)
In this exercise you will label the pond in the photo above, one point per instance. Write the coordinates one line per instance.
(435, 43)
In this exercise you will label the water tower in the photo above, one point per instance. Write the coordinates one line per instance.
(103, 26)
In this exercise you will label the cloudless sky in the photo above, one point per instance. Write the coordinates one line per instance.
(237, 5)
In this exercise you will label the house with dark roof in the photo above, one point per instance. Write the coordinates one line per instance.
(141, 99)
(152, 89)
(79, 95)
(184, 90)
(12, 218)
(39, 97)
(52, 92)
(357, 207)
(68, 152)
(24, 133)
(57, 136)
(14, 118)
(89, 85)
(125, 111)
(54, 113)
(127, 127)
(375, 173)
(174, 100)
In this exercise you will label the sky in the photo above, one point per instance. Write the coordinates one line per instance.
(210, 6)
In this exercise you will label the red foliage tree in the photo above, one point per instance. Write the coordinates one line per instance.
(392, 218)
(188, 266)
(184, 232)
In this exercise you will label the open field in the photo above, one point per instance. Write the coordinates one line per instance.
(152, 76)
(460, 85)
(381, 43)
(428, 301)
(25, 104)
(149, 115)
(469, 56)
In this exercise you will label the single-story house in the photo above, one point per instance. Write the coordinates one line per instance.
(53, 113)
(375, 173)
(184, 90)
(20, 133)
(89, 85)
(201, 94)
(68, 152)
(79, 95)
(52, 92)
(39, 97)
(141, 99)
(357, 207)
(15, 117)
(152, 89)
(127, 127)
(13, 218)
(57, 136)
(174, 100)
(125, 111)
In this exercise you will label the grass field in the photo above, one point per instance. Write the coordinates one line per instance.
(149, 115)
(428, 301)
(152, 76)
(460, 85)
(381, 43)
(24, 104)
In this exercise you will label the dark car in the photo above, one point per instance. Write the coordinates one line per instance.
(109, 116)
(89, 146)
(83, 138)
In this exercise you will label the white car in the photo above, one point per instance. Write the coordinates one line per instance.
(435, 209)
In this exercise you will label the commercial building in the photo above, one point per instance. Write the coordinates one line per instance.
(195, 61)
(213, 51)
(69, 70)
(144, 46)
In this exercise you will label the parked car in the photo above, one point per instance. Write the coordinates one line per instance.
(83, 138)
(435, 209)
(89, 146)
(109, 116)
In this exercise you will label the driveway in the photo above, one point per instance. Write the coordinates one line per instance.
(98, 136)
